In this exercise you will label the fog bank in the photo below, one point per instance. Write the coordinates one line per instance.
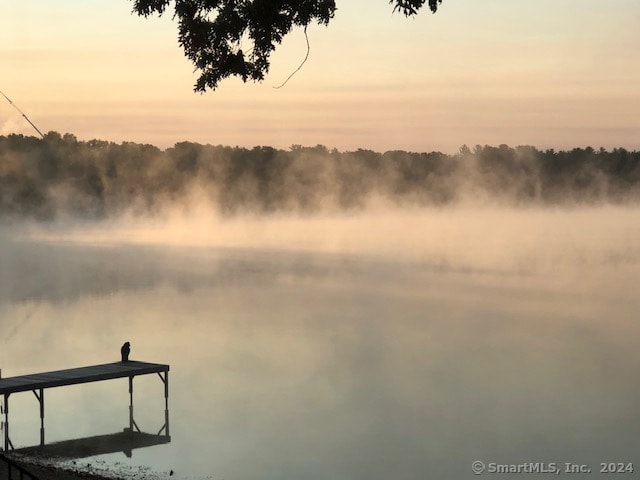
(491, 239)
(59, 177)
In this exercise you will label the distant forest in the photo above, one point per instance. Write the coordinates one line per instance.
(60, 176)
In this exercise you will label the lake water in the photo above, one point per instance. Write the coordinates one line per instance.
(392, 345)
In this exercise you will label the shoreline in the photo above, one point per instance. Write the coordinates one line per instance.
(47, 469)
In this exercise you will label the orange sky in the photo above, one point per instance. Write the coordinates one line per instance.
(548, 73)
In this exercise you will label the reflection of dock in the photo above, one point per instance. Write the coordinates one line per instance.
(125, 442)
(38, 382)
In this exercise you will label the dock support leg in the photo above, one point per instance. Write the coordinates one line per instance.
(42, 417)
(132, 422)
(165, 380)
(166, 401)
(131, 404)
(7, 440)
(41, 400)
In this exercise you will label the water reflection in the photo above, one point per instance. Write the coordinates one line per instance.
(125, 442)
(341, 365)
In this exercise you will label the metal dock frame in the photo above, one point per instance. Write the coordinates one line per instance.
(38, 382)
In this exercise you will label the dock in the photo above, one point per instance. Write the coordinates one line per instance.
(38, 382)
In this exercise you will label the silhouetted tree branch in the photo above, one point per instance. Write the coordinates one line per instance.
(213, 32)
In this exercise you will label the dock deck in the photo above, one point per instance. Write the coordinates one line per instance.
(74, 376)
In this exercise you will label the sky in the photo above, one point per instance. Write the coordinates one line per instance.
(550, 73)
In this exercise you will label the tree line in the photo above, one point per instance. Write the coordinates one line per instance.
(61, 176)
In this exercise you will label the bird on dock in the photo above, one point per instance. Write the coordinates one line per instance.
(124, 351)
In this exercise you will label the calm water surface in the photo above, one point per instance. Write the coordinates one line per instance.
(402, 349)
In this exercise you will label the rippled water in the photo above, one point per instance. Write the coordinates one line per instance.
(405, 345)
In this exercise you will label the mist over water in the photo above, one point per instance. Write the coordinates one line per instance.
(389, 343)
(484, 238)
